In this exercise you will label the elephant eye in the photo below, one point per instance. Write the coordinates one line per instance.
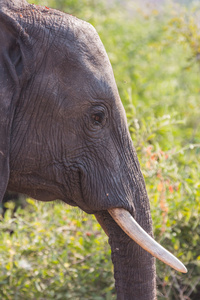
(98, 118)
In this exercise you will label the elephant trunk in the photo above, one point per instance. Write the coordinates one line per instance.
(129, 228)
(134, 268)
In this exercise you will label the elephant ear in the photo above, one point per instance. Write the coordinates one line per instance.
(14, 71)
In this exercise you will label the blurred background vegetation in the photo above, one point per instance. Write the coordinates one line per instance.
(52, 251)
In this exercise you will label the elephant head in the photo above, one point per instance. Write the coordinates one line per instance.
(64, 135)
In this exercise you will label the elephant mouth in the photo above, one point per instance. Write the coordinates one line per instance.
(128, 224)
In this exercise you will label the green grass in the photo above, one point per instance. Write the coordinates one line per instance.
(57, 252)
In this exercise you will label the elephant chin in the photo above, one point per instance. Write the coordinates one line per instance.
(128, 224)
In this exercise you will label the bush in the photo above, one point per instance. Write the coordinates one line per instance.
(55, 252)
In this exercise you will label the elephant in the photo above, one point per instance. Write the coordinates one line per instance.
(64, 135)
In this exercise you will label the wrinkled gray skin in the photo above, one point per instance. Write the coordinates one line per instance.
(64, 132)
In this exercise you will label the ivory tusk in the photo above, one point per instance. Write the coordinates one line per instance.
(128, 224)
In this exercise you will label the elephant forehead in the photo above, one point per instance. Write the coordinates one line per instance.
(64, 41)
(49, 27)
(71, 36)
(80, 55)
(81, 44)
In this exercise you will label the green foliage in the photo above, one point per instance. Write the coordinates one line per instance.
(56, 253)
